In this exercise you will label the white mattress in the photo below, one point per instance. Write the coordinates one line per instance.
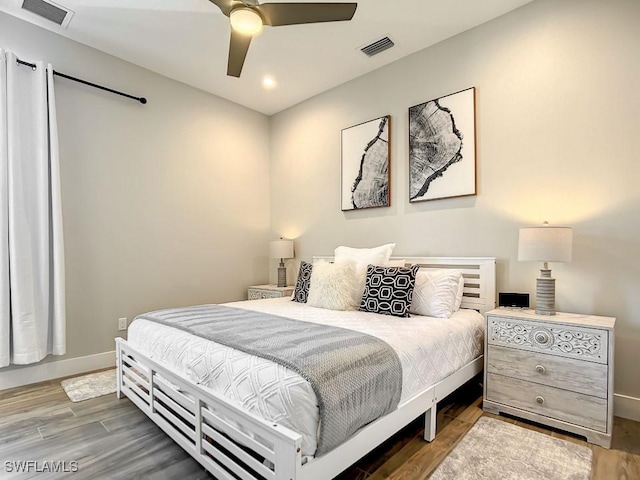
(430, 349)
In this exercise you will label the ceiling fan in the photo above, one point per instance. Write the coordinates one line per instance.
(248, 16)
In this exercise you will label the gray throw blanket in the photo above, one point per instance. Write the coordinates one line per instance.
(356, 377)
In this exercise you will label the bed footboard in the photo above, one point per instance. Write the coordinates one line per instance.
(233, 444)
(228, 441)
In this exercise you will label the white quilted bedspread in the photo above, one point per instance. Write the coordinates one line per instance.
(430, 349)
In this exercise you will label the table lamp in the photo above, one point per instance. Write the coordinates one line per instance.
(281, 249)
(545, 243)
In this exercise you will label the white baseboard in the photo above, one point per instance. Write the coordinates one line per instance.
(626, 407)
(51, 370)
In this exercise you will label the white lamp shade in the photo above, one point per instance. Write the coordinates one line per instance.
(281, 249)
(545, 244)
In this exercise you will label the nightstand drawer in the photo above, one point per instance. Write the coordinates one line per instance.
(571, 407)
(576, 375)
(562, 340)
(259, 294)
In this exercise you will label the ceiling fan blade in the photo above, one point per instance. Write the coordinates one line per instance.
(276, 14)
(238, 48)
(224, 5)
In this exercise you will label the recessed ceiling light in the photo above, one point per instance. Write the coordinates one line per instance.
(268, 82)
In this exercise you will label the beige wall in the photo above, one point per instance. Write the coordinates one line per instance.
(164, 204)
(558, 112)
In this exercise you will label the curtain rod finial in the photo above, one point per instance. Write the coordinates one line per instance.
(143, 100)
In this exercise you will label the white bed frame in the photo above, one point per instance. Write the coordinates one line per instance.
(222, 437)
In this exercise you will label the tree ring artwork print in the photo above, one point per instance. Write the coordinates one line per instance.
(365, 165)
(442, 147)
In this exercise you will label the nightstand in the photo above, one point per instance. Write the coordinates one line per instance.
(556, 370)
(256, 292)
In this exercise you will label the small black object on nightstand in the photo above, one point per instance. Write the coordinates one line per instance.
(513, 300)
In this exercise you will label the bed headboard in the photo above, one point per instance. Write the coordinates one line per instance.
(479, 277)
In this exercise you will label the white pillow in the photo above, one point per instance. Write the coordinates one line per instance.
(333, 285)
(435, 293)
(459, 293)
(362, 258)
(369, 256)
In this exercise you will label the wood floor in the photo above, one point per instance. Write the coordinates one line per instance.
(111, 439)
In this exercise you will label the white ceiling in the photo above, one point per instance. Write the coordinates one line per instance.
(188, 40)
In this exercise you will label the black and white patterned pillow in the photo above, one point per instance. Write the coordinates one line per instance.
(389, 290)
(301, 292)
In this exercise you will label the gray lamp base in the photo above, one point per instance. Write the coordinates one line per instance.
(545, 293)
(282, 275)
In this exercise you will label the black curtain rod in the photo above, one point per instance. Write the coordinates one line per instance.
(84, 82)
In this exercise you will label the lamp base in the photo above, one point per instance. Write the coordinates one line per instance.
(545, 293)
(282, 275)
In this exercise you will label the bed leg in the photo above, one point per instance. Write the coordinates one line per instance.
(430, 423)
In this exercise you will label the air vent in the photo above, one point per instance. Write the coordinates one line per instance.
(49, 10)
(378, 46)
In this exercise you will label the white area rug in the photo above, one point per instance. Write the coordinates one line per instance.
(90, 386)
(497, 450)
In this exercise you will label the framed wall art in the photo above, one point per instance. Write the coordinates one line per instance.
(442, 147)
(365, 164)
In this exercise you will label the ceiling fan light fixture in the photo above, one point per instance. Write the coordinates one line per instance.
(246, 21)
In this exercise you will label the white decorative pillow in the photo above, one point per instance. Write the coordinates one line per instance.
(333, 285)
(435, 293)
(362, 258)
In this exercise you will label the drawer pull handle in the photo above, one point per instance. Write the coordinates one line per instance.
(539, 400)
(542, 338)
(540, 369)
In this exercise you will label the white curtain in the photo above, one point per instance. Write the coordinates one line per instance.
(32, 297)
